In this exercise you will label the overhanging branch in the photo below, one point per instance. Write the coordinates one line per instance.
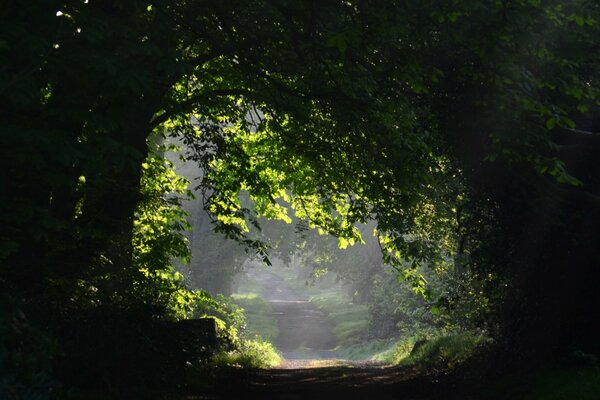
(187, 105)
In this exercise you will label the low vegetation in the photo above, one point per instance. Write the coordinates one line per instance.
(442, 351)
(259, 316)
(249, 353)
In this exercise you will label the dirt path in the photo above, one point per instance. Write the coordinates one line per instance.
(330, 383)
(313, 371)
(305, 332)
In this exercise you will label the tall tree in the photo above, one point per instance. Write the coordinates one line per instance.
(348, 111)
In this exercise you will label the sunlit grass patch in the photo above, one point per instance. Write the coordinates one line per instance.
(259, 316)
(249, 354)
(375, 349)
(400, 351)
(447, 350)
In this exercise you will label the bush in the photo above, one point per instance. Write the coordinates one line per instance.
(235, 348)
(249, 354)
(230, 319)
(447, 351)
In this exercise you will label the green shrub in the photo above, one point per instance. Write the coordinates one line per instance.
(446, 350)
(230, 319)
(400, 350)
(249, 354)
(236, 347)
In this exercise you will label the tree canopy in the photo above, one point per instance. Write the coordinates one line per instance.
(463, 128)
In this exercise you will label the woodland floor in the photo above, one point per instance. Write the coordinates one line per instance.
(350, 381)
(311, 369)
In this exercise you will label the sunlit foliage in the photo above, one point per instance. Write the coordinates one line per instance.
(452, 124)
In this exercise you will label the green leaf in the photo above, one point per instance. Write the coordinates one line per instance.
(569, 122)
(453, 16)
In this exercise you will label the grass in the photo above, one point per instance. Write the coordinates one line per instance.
(375, 349)
(445, 350)
(249, 354)
(259, 316)
(256, 350)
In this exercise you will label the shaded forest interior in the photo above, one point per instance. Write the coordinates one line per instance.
(202, 199)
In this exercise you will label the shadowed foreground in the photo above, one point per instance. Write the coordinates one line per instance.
(343, 382)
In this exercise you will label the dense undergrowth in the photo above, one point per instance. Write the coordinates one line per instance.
(446, 350)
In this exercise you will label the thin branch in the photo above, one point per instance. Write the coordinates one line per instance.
(581, 132)
(189, 104)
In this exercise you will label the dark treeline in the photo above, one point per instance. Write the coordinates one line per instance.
(466, 130)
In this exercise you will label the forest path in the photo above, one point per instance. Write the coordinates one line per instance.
(341, 382)
(305, 332)
(312, 369)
